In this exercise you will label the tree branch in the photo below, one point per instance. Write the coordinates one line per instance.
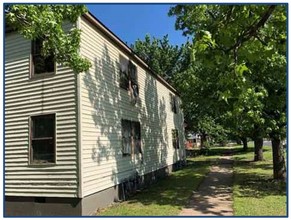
(264, 43)
(253, 29)
(211, 14)
(229, 13)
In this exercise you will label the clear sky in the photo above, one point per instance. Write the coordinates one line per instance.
(133, 21)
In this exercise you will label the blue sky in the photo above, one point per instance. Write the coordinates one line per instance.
(133, 21)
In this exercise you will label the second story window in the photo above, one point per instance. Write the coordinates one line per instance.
(123, 73)
(173, 101)
(40, 64)
(128, 76)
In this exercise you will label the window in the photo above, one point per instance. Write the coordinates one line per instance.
(173, 102)
(40, 64)
(42, 139)
(128, 76)
(175, 139)
(131, 138)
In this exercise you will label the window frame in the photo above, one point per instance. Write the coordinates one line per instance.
(31, 131)
(133, 141)
(130, 66)
(32, 65)
(176, 138)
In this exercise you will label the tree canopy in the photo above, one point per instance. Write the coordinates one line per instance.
(242, 52)
(162, 57)
(46, 22)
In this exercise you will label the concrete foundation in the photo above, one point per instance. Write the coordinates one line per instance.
(87, 206)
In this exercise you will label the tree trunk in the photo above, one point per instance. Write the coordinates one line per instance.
(203, 140)
(258, 149)
(245, 143)
(279, 167)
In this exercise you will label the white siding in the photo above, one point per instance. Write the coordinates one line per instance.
(104, 104)
(25, 97)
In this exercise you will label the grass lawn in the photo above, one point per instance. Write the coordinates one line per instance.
(254, 192)
(167, 196)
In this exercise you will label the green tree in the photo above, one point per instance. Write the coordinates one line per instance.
(201, 109)
(244, 46)
(46, 22)
(162, 57)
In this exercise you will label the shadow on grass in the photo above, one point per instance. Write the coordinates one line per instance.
(252, 183)
(173, 192)
(176, 189)
(218, 151)
(250, 164)
(227, 151)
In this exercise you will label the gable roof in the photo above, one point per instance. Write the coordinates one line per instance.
(124, 47)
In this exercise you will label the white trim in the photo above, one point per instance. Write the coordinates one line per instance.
(79, 125)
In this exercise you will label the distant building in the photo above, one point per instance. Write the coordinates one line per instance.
(193, 141)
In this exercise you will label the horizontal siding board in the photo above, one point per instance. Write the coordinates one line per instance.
(42, 194)
(25, 97)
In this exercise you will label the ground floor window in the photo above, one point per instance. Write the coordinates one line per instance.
(175, 139)
(42, 139)
(131, 138)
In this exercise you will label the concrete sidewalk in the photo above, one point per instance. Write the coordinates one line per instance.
(214, 195)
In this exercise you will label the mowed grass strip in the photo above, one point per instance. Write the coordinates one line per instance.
(255, 193)
(166, 197)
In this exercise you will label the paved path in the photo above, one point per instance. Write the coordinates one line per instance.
(214, 195)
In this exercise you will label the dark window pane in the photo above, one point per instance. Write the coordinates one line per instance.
(43, 126)
(136, 137)
(133, 79)
(43, 151)
(132, 72)
(124, 82)
(173, 103)
(36, 46)
(175, 138)
(43, 139)
(126, 136)
(49, 64)
(136, 130)
(41, 64)
(131, 137)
